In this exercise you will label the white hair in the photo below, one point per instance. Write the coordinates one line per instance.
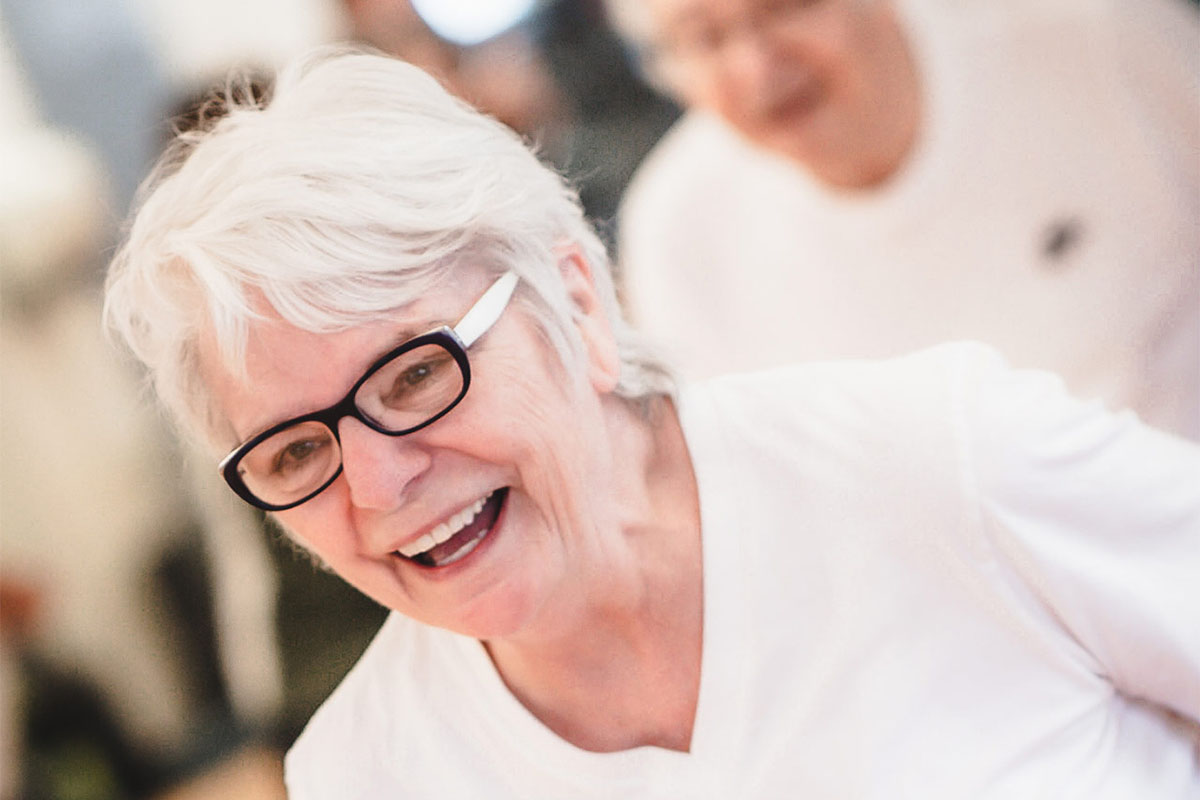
(359, 185)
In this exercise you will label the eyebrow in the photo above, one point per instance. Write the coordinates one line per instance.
(398, 338)
(411, 332)
(403, 335)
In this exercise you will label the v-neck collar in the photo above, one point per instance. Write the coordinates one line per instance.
(719, 722)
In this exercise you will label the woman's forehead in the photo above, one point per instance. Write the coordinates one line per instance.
(289, 370)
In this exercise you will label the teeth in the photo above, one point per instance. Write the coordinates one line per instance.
(426, 542)
(444, 531)
(462, 551)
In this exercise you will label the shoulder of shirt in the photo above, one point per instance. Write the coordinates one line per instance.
(887, 381)
(896, 414)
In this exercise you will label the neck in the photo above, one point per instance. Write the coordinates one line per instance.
(624, 670)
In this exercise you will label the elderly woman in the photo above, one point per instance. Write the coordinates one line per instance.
(930, 577)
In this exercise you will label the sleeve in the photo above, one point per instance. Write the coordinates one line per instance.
(1098, 515)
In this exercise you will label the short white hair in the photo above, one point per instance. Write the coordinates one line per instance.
(359, 185)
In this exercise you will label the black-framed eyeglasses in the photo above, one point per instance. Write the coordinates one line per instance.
(406, 389)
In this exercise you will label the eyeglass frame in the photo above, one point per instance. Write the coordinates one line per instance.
(455, 340)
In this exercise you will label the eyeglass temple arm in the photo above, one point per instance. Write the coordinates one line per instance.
(487, 310)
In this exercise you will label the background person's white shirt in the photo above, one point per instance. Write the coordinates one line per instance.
(1050, 209)
(925, 578)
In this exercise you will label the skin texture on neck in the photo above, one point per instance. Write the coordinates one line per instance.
(624, 670)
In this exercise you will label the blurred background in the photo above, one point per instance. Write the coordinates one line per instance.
(157, 639)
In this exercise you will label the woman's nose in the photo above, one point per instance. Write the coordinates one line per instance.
(379, 468)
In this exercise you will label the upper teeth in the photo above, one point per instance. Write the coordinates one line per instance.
(444, 531)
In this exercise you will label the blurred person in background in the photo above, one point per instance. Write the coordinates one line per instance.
(96, 693)
(856, 178)
(927, 577)
(192, 663)
(559, 76)
(503, 75)
(145, 651)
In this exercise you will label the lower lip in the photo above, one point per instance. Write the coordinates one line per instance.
(450, 570)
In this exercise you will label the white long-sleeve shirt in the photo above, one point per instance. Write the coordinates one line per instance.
(932, 577)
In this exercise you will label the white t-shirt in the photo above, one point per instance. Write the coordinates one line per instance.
(931, 577)
(1051, 208)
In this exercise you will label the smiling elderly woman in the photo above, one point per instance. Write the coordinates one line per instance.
(929, 577)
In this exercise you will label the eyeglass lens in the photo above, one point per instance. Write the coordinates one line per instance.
(404, 393)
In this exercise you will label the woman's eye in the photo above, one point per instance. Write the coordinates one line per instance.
(416, 380)
(295, 454)
(415, 377)
(417, 374)
(409, 380)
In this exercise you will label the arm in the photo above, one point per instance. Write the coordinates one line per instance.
(1097, 517)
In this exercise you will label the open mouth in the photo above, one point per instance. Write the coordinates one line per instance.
(795, 105)
(452, 540)
(791, 100)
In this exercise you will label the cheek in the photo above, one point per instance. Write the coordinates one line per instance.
(524, 426)
(841, 45)
(319, 530)
(516, 400)
(537, 426)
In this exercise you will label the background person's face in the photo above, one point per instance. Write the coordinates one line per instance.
(805, 78)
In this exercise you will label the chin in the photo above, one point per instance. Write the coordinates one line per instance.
(497, 611)
(499, 622)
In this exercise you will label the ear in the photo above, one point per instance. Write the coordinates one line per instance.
(604, 365)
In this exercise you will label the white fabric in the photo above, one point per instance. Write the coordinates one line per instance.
(931, 577)
(1075, 119)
